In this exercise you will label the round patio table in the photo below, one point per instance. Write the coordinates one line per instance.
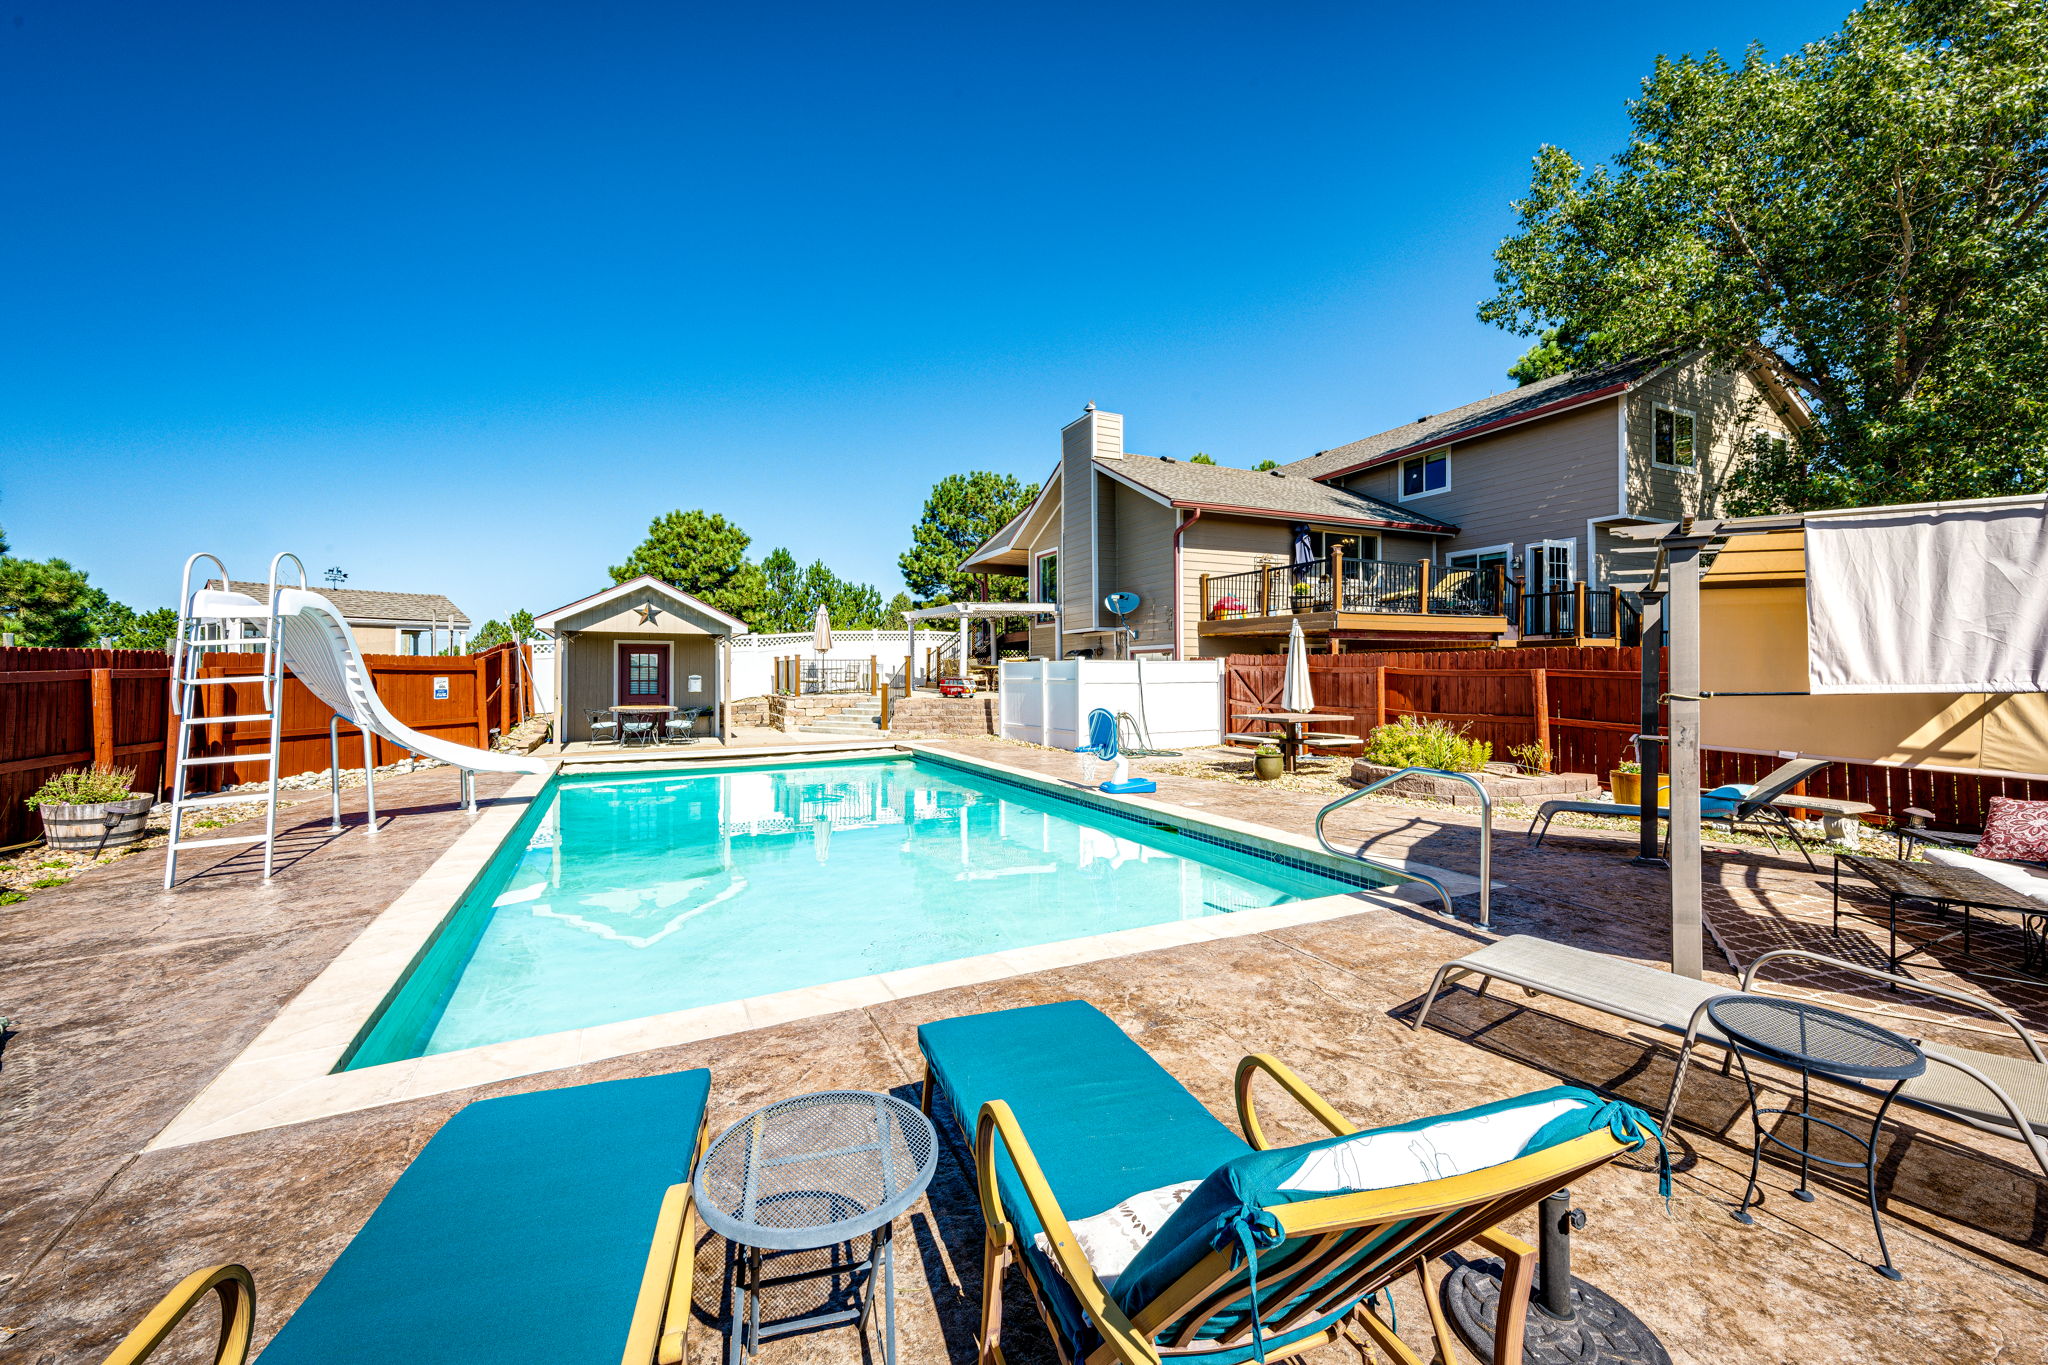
(807, 1173)
(1291, 723)
(1816, 1042)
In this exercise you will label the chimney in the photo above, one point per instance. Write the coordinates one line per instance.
(1092, 436)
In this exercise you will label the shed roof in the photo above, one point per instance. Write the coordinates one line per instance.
(552, 620)
(369, 604)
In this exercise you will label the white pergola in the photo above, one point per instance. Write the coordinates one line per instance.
(964, 612)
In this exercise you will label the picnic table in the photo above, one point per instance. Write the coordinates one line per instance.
(1290, 723)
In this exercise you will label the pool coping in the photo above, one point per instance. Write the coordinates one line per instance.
(285, 1075)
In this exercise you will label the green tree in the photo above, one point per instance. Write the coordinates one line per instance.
(962, 511)
(518, 626)
(521, 625)
(1865, 219)
(782, 581)
(1545, 360)
(1201, 457)
(152, 629)
(52, 602)
(1263, 465)
(703, 554)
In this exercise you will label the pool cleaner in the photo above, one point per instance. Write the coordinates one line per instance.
(1102, 743)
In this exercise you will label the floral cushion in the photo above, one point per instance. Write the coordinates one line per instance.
(2016, 831)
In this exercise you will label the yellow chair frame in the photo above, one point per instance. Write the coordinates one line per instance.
(1442, 1214)
(655, 1336)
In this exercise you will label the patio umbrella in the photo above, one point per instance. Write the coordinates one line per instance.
(1295, 694)
(821, 630)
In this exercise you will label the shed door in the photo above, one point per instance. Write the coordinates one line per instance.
(643, 674)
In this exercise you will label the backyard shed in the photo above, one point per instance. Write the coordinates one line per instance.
(643, 642)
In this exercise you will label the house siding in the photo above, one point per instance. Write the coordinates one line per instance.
(1541, 481)
(1730, 405)
(1218, 544)
(1137, 556)
(592, 673)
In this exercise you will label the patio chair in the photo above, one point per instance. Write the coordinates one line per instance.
(1732, 805)
(603, 726)
(683, 724)
(520, 1231)
(1146, 1228)
(1986, 1090)
(638, 729)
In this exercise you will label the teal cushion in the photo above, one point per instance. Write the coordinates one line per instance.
(518, 1234)
(1723, 800)
(1228, 1211)
(1104, 1120)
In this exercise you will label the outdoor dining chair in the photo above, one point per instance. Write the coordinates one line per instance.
(603, 726)
(683, 724)
(640, 729)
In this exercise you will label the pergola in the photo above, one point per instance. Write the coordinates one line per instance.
(964, 612)
(1671, 622)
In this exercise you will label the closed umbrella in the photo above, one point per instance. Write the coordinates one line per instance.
(1295, 694)
(821, 631)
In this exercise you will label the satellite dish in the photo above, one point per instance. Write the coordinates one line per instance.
(1122, 603)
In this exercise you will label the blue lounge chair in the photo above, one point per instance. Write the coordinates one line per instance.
(1268, 1252)
(521, 1232)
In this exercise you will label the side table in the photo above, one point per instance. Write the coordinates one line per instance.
(1815, 1042)
(811, 1172)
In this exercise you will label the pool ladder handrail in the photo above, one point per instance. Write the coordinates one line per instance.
(1485, 837)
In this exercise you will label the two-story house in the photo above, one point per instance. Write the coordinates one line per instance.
(1487, 522)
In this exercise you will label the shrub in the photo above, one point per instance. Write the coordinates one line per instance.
(1628, 765)
(1266, 751)
(44, 883)
(1413, 743)
(1531, 757)
(85, 787)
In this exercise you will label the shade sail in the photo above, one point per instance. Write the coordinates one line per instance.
(1937, 599)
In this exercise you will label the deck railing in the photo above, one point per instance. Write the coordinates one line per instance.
(1380, 586)
(1581, 612)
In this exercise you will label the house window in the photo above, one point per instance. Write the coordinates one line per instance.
(1048, 577)
(1354, 545)
(643, 673)
(1766, 441)
(1478, 561)
(1425, 474)
(1674, 436)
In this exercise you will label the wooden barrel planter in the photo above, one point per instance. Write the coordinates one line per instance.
(96, 828)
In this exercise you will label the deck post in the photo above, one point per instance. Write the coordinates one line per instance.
(1265, 590)
(1614, 613)
(1579, 609)
(874, 675)
(1336, 585)
(1207, 604)
(1422, 600)
(1379, 696)
(1539, 680)
(1500, 589)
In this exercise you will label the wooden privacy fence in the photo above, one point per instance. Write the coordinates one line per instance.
(1582, 705)
(64, 708)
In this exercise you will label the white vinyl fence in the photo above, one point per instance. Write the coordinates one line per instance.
(754, 656)
(1178, 703)
(543, 673)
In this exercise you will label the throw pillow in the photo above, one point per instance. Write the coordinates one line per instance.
(2016, 831)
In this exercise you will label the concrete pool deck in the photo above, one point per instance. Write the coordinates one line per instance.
(127, 1002)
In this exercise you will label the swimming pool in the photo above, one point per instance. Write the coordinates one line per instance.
(617, 898)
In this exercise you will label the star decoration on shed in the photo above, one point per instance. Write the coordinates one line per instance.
(646, 615)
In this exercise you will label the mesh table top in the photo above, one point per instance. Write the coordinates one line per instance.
(815, 1170)
(1817, 1039)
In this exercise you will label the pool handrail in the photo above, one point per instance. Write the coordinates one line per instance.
(1485, 837)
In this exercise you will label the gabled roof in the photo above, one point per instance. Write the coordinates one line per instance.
(550, 619)
(1544, 398)
(1264, 493)
(367, 604)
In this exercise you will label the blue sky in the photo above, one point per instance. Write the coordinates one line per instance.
(459, 296)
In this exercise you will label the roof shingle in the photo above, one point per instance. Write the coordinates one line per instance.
(1566, 389)
(1272, 492)
(368, 604)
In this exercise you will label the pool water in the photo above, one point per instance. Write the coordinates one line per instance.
(620, 898)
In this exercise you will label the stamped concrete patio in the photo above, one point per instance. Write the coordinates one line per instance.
(127, 1001)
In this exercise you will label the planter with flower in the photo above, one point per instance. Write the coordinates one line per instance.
(91, 810)
(1266, 763)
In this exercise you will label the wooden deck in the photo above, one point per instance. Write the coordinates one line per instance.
(1379, 623)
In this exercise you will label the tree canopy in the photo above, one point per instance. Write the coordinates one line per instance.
(796, 592)
(1866, 220)
(703, 554)
(962, 511)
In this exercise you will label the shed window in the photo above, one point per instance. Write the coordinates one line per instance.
(1674, 436)
(1425, 474)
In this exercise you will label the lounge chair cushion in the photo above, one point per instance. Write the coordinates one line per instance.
(1104, 1120)
(2009, 875)
(1225, 1211)
(520, 1233)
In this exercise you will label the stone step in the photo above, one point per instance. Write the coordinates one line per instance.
(827, 727)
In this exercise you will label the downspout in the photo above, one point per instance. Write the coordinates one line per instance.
(1179, 586)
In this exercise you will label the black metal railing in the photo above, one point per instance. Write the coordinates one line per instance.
(827, 675)
(1582, 612)
(1368, 585)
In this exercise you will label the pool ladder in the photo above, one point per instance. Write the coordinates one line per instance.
(1485, 838)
